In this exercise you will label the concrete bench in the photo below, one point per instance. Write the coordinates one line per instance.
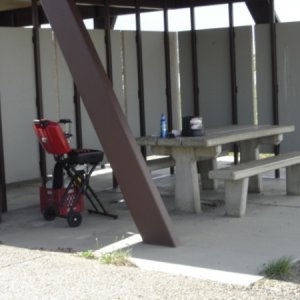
(160, 163)
(236, 179)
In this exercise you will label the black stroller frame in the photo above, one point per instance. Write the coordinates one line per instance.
(80, 180)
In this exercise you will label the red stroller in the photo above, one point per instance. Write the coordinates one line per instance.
(67, 202)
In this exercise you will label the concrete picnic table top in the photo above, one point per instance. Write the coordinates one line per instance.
(219, 136)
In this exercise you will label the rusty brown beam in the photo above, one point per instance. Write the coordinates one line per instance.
(95, 88)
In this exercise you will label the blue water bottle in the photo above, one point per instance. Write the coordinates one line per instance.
(163, 126)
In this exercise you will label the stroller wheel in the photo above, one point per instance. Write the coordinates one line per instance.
(50, 213)
(74, 219)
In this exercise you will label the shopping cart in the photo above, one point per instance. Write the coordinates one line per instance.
(77, 165)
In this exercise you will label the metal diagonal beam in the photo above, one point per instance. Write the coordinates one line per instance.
(141, 195)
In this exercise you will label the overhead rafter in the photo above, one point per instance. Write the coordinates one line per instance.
(17, 16)
(152, 4)
(14, 4)
(260, 11)
(22, 17)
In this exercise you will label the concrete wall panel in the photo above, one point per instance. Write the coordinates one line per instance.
(244, 75)
(117, 65)
(214, 77)
(50, 82)
(90, 139)
(131, 99)
(263, 74)
(288, 67)
(186, 73)
(17, 95)
(288, 49)
(154, 80)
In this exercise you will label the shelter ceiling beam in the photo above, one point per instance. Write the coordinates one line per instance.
(23, 17)
(259, 9)
(152, 4)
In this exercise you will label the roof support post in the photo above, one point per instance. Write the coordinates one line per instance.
(109, 68)
(168, 67)
(98, 24)
(140, 71)
(234, 90)
(142, 197)
(274, 74)
(3, 196)
(108, 41)
(78, 123)
(168, 72)
(38, 83)
(274, 65)
(194, 61)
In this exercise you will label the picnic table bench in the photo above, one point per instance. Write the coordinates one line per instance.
(236, 179)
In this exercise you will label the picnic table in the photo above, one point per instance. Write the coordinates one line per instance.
(187, 151)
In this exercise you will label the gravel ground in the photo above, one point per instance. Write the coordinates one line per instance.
(35, 274)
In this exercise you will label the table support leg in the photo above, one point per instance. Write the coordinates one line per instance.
(250, 151)
(204, 166)
(187, 194)
(293, 180)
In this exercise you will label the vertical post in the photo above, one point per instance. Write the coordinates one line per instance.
(274, 65)
(108, 41)
(38, 82)
(168, 71)
(168, 68)
(274, 75)
(109, 68)
(140, 71)
(3, 196)
(233, 75)
(78, 123)
(194, 61)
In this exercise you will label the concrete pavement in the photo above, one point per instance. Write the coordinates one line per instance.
(213, 246)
